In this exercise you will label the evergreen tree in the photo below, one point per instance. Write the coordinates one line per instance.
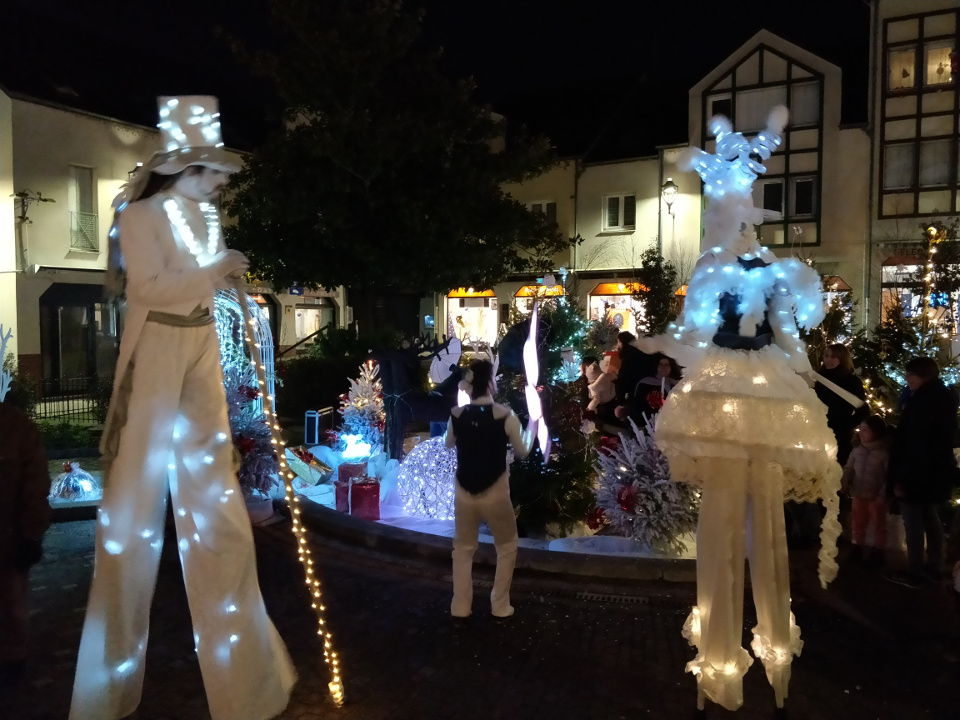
(919, 319)
(659, 284)
(386, 176)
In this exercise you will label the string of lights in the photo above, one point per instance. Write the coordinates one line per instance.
(286, 474)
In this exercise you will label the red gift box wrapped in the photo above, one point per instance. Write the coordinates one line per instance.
(360, 499)
(351, 471)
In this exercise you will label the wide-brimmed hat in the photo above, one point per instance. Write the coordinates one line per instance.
(190, 135)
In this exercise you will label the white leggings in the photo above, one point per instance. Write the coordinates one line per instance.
(741, 515)
(493, 506)
(177, 434)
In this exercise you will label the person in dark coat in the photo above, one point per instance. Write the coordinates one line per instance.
(24, 518)
(923, 467)
(635, 365)
(842, 417)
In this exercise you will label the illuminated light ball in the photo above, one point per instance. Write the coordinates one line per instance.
(427, 480)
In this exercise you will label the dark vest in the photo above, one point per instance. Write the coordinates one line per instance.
(728, 335)
(481, 447)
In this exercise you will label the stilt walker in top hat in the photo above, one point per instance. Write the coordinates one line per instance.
(167, 428)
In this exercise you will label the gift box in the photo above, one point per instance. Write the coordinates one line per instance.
(351, 471)
(305, 465)
(360, 498)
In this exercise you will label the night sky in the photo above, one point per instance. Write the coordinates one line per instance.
(570, 68)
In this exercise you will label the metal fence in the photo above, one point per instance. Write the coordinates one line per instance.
(77, 400)
(84, 231)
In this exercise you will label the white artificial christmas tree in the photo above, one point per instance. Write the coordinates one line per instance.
(637, 496)
(362, 407)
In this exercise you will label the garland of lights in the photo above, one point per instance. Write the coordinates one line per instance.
(329, 653)
(427, 480)
(179, 222)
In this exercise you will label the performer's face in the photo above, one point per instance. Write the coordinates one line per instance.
(201, 184)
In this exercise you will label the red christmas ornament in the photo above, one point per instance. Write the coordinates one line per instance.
(250, 393)
(245, 444)
(654, 400)
(596, 518)
(608, 444)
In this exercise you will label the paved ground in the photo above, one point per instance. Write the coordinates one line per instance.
(873, 651)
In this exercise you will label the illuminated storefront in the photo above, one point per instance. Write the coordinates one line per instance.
(472, 315)
(525, 296)
(617, 301)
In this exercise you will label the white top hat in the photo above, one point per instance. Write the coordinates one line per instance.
(190, 135)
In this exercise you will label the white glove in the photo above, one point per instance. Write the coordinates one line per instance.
(231, 264)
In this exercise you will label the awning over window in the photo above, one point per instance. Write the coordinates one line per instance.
(470, 293)
(627, 288)
(539, 291)
(618, 288)
(835, 283)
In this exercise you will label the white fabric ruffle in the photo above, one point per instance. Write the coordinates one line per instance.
(750, 405)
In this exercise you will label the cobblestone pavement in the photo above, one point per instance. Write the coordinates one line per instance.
(873, 651)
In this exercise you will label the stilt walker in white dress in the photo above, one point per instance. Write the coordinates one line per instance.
(167, 429)
(744, 424)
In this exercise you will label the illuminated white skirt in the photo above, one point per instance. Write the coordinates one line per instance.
(749, 405)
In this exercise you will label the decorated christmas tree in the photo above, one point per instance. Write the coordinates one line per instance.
(637, 496)
(361, 408)
(919, 317)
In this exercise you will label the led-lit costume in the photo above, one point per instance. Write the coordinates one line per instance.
(167, 427)
(743, 425)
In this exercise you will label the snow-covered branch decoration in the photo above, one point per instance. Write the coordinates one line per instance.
(6, 376)
(638, 497)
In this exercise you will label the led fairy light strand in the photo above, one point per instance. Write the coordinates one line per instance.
(293, 501)
(179, 222)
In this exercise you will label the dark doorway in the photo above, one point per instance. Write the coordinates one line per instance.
(79, 336)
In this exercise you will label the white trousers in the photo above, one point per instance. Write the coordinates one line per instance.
(494, 507)
(177, 433)
(741, 515)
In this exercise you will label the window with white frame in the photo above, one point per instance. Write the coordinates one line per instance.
(620, 212)
(547, 208)
(84, 226)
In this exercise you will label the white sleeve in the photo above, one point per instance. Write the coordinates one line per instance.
(148, 279)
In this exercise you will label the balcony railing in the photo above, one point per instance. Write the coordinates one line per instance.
(84, 232)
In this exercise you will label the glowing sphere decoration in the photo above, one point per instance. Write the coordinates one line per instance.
(428, 480)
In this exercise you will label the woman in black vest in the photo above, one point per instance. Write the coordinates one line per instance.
(481, 432)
